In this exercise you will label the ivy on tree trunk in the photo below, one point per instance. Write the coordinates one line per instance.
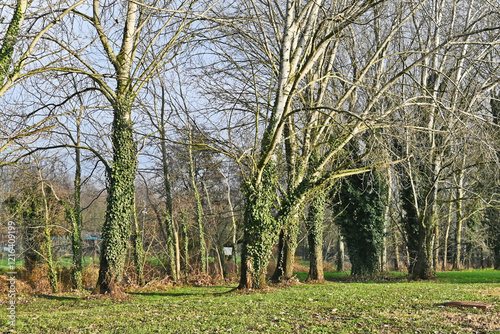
(260, 229)
(120, 200)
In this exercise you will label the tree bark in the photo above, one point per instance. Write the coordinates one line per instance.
(340, 254)
(51, 268)
(121, 175)
(314, 225)
(10, 39)
(199, 208)
(260, 229)
(120, 201)
(287, 246)
(185, 236)
(447, 233)
(76, 216)
(172, 242)
(458, 228)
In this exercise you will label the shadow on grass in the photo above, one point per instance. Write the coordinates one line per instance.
(182, 293)
(345, 277)
(60, 298)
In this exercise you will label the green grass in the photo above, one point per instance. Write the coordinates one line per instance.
(397, 306)
(60, 262)
(4, 265)
(470, 276)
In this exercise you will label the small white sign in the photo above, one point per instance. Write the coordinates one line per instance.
(228, 251)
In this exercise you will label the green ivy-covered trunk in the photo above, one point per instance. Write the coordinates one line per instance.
(10, 39)
(361, 220)
(314, 225)
(287, 245)
(260, 229)
(120, 200)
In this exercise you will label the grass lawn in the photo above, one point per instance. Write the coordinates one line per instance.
(395, 306)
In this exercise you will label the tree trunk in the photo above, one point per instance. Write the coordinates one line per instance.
(177, 247)
(424, 268)
(447, 233)
(340, 254)
(395, 243)
(138, 255)
(423, 264)
(460, 215)
(199, 208)
(314, 225)
(10, 39)
(496, 251)
(387, 218)
(287, 246)
(51, 268)
(76, 216)
(138, 249)
(278, 271)
(436, 246)
(233, 219)
(171, 233)
(260, 229)
(120, 200)
(186, 244)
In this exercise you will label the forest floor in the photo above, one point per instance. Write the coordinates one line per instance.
(389, 304)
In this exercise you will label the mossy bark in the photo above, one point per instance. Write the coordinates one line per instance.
(120, 200)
